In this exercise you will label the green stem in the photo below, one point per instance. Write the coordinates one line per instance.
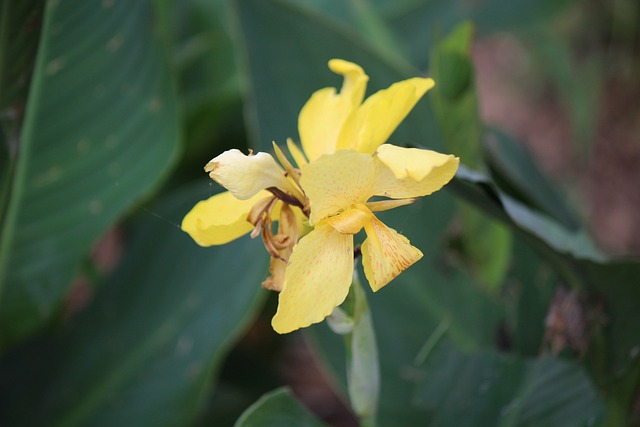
(363, 371)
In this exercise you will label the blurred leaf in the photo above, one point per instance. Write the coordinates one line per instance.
(100, 130)
(530, 287)
(490, 389)
(20, 24)
(416, 23)
(485, 245)
(208, 78)
(286, 48)
(617, 283)
(578, 263)
(515, 172)
(411, 26)
(482, 192)
(143, 353)
(579, 83)
(278, 408)
(455, 99)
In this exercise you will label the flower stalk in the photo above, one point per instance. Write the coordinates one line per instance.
(363, 369)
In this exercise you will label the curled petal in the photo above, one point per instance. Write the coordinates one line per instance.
(322, 116)
(317, 279)
(220, 219)
(385, 254)
(411, 172)
(244, 176)
(333, 183)
(350, 221)
(283, 241)
(380, 114)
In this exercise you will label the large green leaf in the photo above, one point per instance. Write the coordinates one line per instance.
(101, 127)
(143, 352)
(490, 389)
(275, 409)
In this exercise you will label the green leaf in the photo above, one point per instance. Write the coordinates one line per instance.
(482, 192)
(143, 352)
(455, 99)
(19, 33)
(515, 173)
(276, 409)
(101, 128)
(286, 49)
(579, 264)
(208, 78)
(410, 26)
(416, 23)
(455, 102)
(490, 389)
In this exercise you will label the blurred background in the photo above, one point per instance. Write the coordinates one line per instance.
(522, 312)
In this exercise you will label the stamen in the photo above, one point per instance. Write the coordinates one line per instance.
(385, 205)
(296, 153)
(287, 198)
(291, 171)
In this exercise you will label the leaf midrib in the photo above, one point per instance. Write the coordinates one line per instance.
(23, 150)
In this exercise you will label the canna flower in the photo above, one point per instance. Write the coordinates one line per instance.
(344, 162)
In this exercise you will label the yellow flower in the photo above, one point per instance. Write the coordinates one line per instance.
(342, 165)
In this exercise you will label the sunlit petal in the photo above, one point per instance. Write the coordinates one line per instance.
(410, 172)
(335, 182)
(245, 175)
(322, 116)
(317, 279)
(385, 254)
(380, 114)
(220, 219)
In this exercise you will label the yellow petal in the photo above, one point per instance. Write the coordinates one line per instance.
(220, 219)
(385, 254)
(244, 176)
(322, 116)
(333, 183)
(317, 279)
(411, 172)
(352, 220)
(380, 114)
(296, 153)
